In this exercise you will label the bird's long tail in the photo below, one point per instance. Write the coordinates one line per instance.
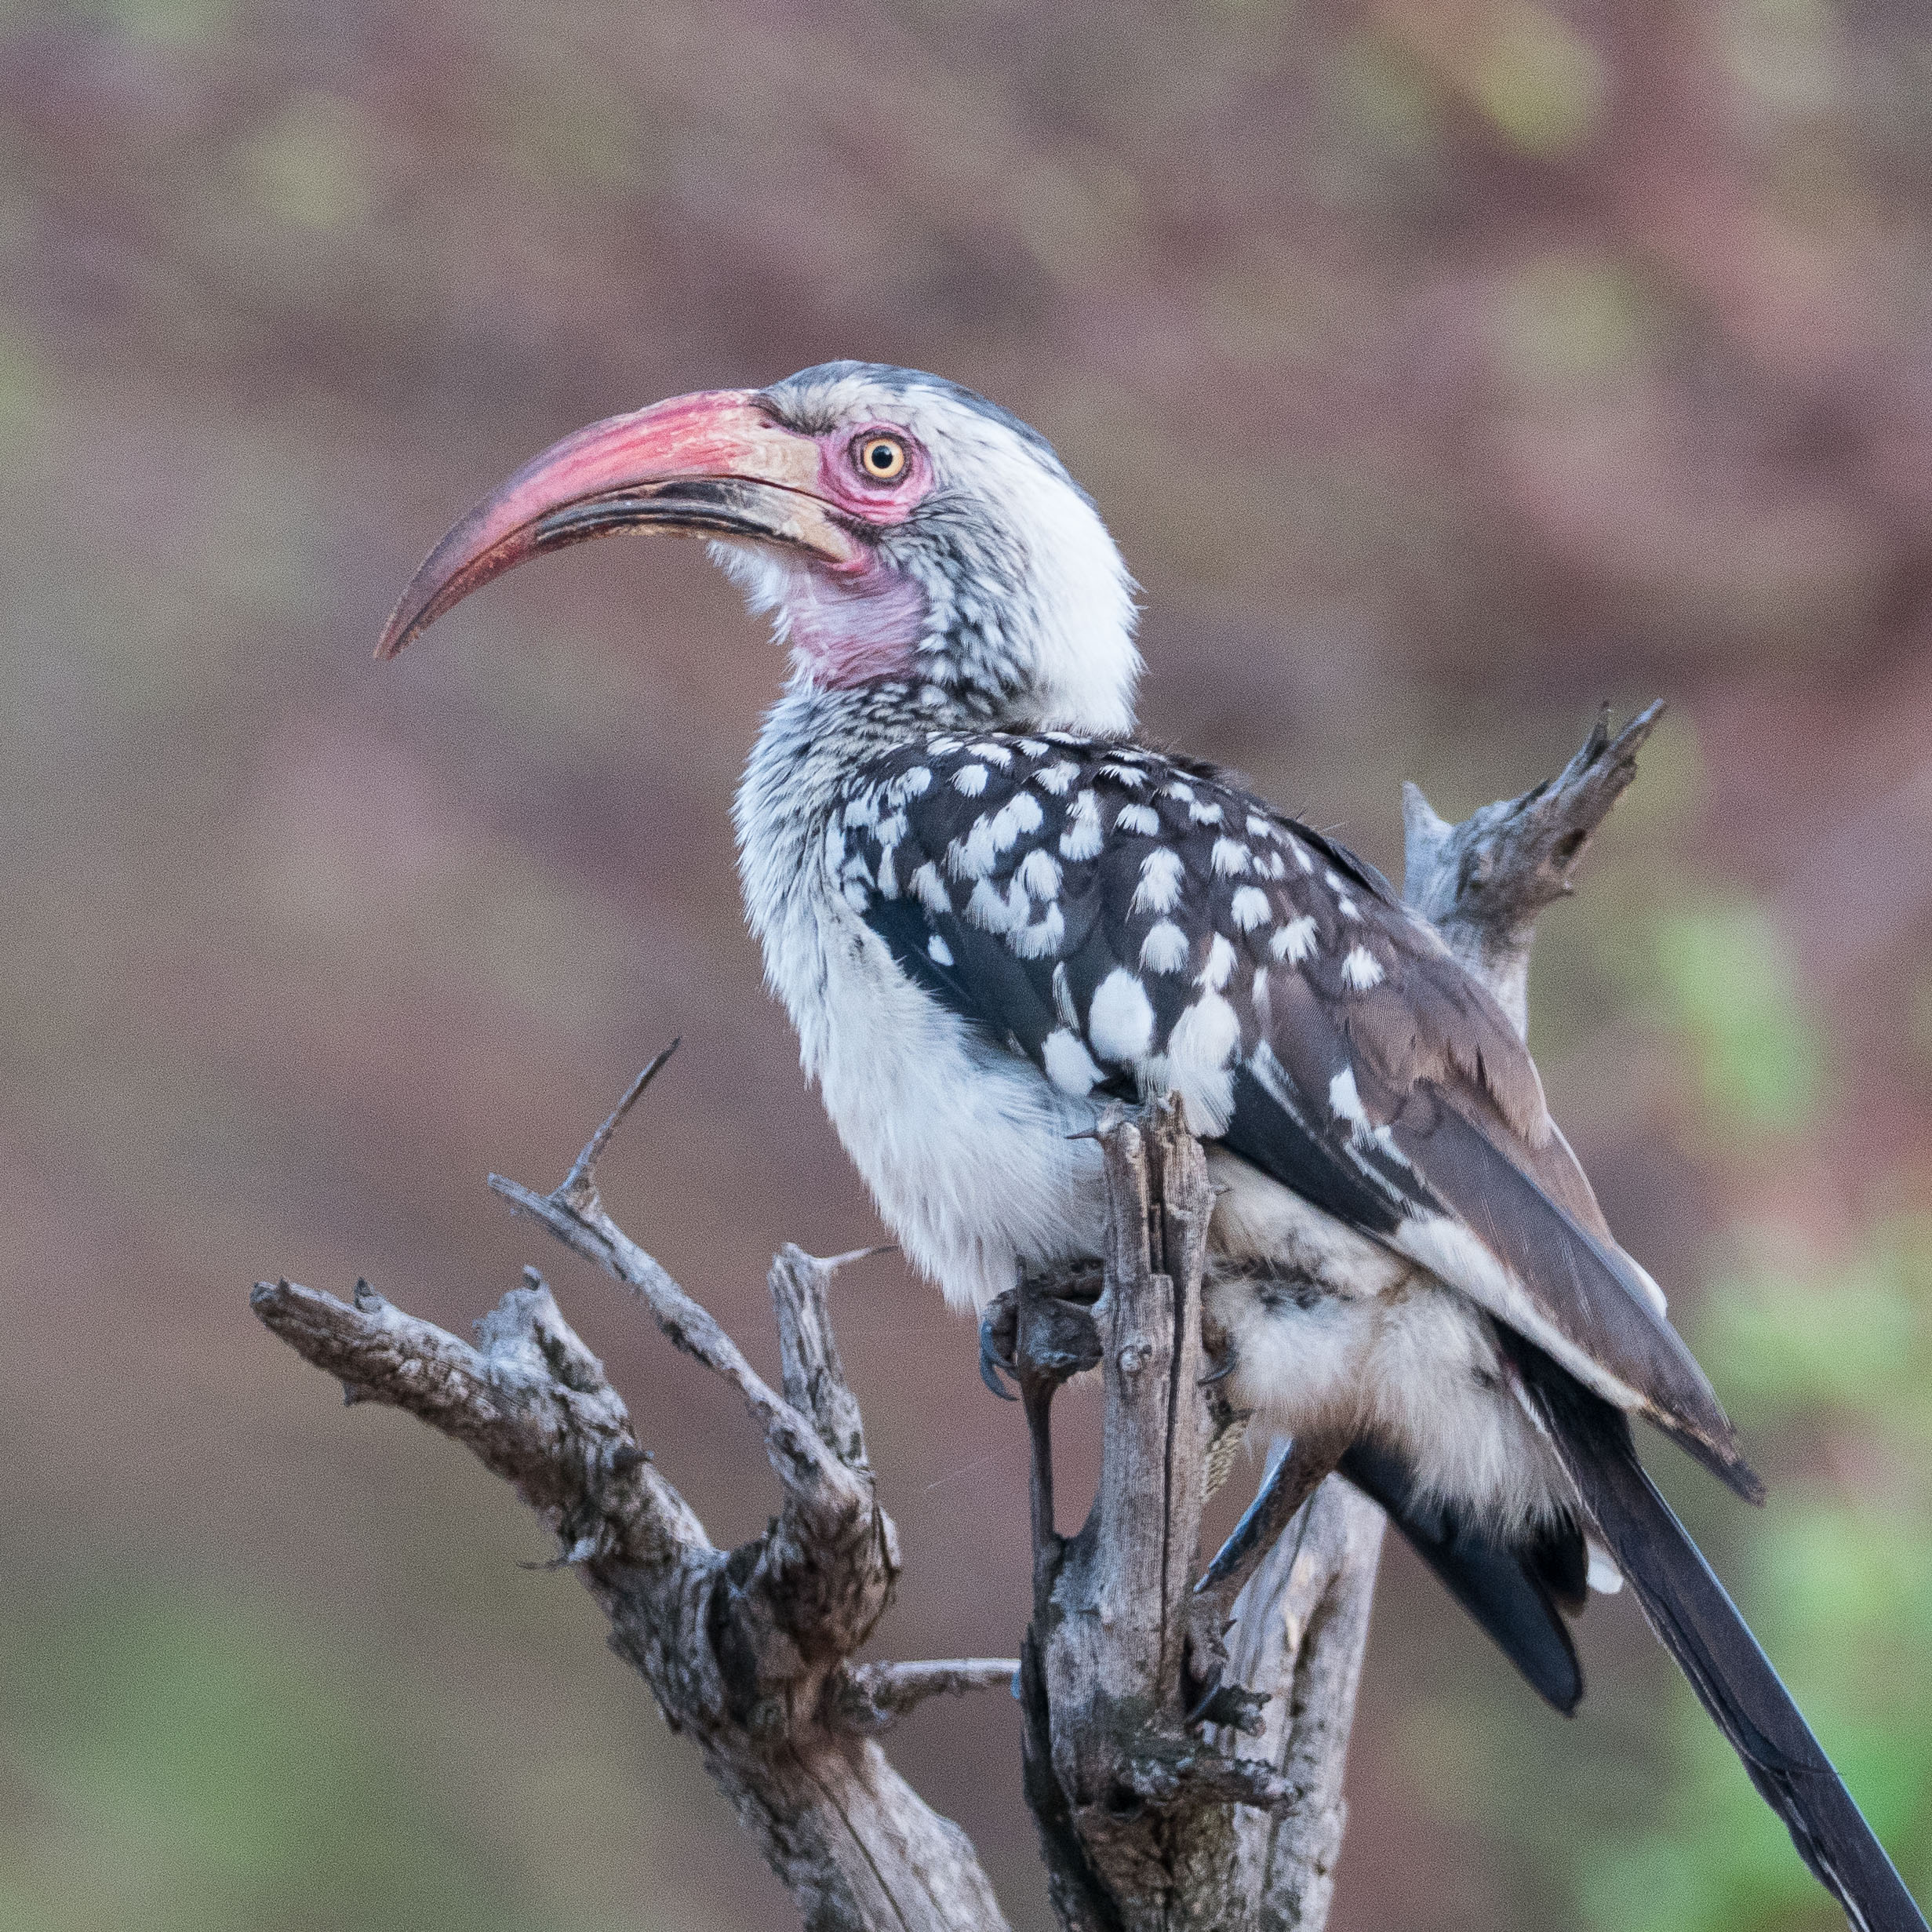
(1699, 1626)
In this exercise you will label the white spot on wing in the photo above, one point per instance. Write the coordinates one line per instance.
(1039, 872)
(1062, 999)
(1200, 1051)
(1603, 1576)
(1022, 812)
(1165, 949)
(1204, 812)
(994, 911)
(1295, 941)
(1159, 889)
(1250, 907)
(1120, 1022)
(1140, 819)
(1345, 1102)
(1220, 962)
(1361, 969)
(1057, 779)
(937, 949)
(970, 780)
(1082, 839)
(1646, 1282)
(993, 754)
(1043, 938)
(1069, 1065)
(1231, 857)
(931, 888)
(974, 856)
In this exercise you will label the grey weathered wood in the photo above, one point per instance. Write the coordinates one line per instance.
(1157, 1807)
(1483, 882)
(746, 1650)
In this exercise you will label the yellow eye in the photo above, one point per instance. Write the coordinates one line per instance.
(882, 459)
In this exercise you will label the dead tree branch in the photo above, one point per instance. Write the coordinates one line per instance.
(1185, 1731)
(745, 1650)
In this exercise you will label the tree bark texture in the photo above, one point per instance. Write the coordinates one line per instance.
(1183, 1745)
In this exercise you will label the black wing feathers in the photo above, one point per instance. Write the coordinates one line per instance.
(1271, 1132)
(1512, 1591)
(1131, 923)
(1697, 1623)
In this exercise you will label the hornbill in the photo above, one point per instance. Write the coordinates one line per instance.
(990, 910)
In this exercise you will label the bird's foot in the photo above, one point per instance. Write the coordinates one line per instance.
(1057, 1337)
(1042, 1330)
(1210, 1698)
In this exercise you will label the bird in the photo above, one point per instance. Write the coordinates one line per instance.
(993, 911)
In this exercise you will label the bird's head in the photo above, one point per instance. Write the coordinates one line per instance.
(894, 524)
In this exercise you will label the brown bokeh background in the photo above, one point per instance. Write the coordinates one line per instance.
(1445, 366)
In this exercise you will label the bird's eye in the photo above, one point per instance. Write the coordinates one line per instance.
(882, 459)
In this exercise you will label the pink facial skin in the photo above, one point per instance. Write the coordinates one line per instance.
(847, 626)
(842, 481)
(850, 622)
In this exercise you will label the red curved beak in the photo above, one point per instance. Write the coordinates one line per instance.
(713, 462)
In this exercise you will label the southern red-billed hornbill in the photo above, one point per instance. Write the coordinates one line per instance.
(989, 911)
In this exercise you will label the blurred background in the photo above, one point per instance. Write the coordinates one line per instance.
(1445, 366)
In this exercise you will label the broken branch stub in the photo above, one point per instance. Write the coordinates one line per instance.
(1483, 882)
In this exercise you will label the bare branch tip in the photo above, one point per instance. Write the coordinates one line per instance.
(832, 1263)
(1630, 740)
(578, 1190)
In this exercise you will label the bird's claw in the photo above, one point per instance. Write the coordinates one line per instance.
(1211, 1698)
(999, 1340)
(1230, 1705)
